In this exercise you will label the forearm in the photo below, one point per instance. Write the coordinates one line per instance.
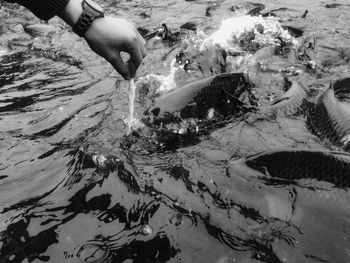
(43, 9)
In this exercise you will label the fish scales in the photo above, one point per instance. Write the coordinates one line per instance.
(332, 117)
(342, 89)
(194, 99)
(214, 92)
(321, 195)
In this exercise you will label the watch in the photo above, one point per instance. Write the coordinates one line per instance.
(91, 11)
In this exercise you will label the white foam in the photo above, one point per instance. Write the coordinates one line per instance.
(233, 28)
(160, 83)
(132, 88)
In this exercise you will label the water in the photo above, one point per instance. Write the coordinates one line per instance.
(74, 188)
(132, 89)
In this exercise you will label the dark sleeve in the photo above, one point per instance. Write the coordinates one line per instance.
(43, 9)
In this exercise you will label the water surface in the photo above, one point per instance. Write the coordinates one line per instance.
(62, 108)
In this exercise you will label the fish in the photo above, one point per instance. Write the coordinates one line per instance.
(212, 60)
(294, 32)
(305, 13)
(333, 5)
(331, 118)
(224, 92)
(342, 89)
(290, 102)
(294, 164)
(315, 178)
(256, 10)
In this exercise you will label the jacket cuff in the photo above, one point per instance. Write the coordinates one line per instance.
(45, 9)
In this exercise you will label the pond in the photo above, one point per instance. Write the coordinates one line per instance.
(267, 181)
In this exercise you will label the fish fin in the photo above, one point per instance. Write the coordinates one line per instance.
(237, 102)
(239, 76)
(279, 100)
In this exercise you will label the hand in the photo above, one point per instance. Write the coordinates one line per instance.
(108, 36)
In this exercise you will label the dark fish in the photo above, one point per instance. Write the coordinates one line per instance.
(224, 92)
(333, 5)
(295, 32)
(234, 8)
(273, 11)
(305, 13)
(212, 60)
(283, 9)
(267, 14)
(256, 11)
(290, 102)
(144, 15)
(189, 26)
(165, 34)
(143, 31)
(342, 89)
(208, 11)
(294, 164)
(148, 35)
(213, 5)
(331, 118)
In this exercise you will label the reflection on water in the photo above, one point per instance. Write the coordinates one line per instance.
(74, 188)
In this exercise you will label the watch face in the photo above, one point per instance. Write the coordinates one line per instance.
(93, 5)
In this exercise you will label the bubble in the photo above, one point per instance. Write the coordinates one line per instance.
(146, 230)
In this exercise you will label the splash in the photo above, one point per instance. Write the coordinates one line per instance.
(267, 31)
(132, 88)
(264, 31)
(159, 84)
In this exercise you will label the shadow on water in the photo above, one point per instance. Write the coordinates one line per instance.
(74, 188)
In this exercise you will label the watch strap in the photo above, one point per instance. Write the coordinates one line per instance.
(86, 18)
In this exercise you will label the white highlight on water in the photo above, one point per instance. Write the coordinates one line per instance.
(160, 83)
(266, 30)
(132, 88)
(3, 52)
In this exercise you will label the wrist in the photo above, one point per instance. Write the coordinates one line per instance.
(72, 12)
(80, 14)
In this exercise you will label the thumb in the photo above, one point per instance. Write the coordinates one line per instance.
(120, 66)
(135, 60)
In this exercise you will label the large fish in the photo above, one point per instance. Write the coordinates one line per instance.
(325, 184)
(294, 164)
(331, 117)
(342, 89)
(224, 92)
(290, 102)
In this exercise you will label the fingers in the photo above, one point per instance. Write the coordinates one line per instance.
(135, 60)
(137, 53)
(120, 66)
